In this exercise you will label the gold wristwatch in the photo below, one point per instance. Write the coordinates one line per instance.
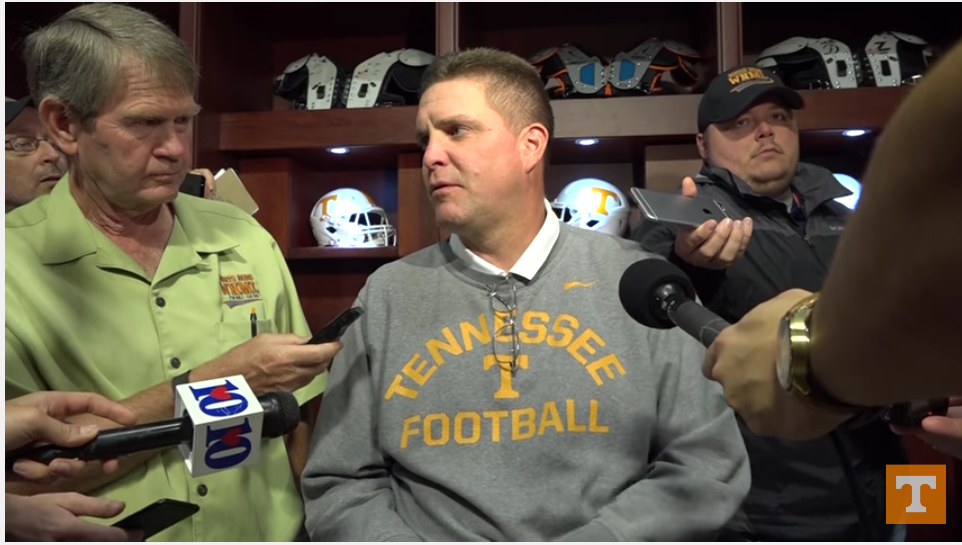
(794, 360)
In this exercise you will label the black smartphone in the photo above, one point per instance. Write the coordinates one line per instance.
(193, 184)
(158, 516)
(334, 330)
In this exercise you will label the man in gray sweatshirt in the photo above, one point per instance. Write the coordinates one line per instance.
(495, 389)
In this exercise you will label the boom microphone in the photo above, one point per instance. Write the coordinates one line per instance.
(281, 414)
(657, 294)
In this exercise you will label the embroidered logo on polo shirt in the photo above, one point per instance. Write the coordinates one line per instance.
(238, 289)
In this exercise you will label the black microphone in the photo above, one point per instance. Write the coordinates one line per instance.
(656, 293)
(282, 414)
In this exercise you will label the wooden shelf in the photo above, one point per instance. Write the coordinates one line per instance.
(279, 131)
(837, 110)
(319, 252)
(377, 135)
(664, 117)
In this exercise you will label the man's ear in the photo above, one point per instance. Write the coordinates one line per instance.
(62, 127)
(534, 143)
(702, 146)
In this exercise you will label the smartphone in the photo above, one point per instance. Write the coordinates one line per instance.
(158, 516)
(193, 184)
(338, 326)
(675, 209)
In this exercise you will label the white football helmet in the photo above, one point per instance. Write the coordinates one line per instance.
(593, 204)
(348, 218)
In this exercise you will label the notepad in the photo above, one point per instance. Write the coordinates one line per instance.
(229, 188)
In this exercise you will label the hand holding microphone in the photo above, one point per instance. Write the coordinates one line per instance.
(742, 357)
(220, 427)
(657, 294)
(272, 362)
(944, 433)
(41, 417)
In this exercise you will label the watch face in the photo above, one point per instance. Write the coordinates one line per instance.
(783, 358)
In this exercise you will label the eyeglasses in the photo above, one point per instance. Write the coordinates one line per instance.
(26, 145)
(505, 310)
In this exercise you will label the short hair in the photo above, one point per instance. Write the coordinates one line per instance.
(79, 58)
(512, 85)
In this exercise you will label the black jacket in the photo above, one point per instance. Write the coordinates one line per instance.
(799, 490)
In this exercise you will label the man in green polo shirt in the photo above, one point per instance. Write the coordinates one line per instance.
(119, 285)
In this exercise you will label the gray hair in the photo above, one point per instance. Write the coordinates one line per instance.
(79, 59)
(513, 87)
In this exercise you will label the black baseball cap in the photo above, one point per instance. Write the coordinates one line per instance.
(731, 93)
(14, 107)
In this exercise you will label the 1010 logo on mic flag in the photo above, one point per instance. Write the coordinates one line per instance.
(228, 422)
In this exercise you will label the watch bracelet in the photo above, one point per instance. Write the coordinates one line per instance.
(818, 395)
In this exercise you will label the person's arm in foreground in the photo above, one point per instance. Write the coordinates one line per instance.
(889, 311)
(39, 417)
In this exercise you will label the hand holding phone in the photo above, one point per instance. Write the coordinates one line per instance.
(158, 516)
(708, 236)
(338, 326)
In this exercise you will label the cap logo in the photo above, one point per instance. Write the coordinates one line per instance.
(746, 77)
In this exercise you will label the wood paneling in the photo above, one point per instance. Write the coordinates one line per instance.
(447, 14)
(849, 108)
(416, 225)
(666, 166)
(729, 16)
(269, 183)
(284, 131)
(328, 287)
(318, 252)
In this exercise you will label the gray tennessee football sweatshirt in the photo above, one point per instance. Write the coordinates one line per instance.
(603, 430)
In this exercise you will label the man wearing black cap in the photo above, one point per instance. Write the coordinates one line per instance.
(788, 228)
(34, 164)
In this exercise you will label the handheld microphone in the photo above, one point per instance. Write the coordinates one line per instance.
(657, 294)
(281, 414)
